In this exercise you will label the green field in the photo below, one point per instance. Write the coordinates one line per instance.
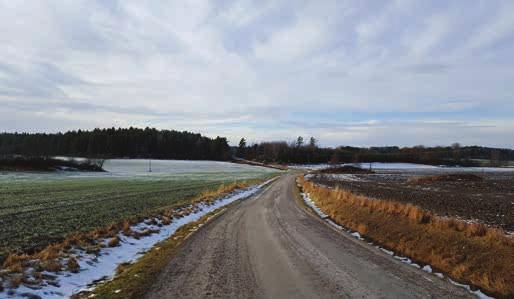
(39, 209)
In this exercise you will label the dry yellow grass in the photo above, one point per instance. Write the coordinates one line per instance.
(51, 266)
(15, 262)
(48, 259)
(468, 252)
(50, 253)
(72, 265)
(165, 220)
(17, 280)
(133, 280)
(127, 231)
(210, 195)
(114, 242)
(144, 233)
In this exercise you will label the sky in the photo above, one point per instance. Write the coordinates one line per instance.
(347, 72)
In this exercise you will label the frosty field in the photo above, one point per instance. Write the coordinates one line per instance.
(40, 208)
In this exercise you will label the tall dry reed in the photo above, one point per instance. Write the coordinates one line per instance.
(469, 252)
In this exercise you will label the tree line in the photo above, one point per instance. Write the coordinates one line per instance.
(117, 143)
(170, 144)
(301, 152)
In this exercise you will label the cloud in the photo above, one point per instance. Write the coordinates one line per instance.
(427, 68)
(496, 28)
(346, 72)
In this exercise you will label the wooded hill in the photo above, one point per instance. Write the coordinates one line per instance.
(117, 143)
(169, 144)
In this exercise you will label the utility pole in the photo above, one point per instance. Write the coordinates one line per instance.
(150, 165)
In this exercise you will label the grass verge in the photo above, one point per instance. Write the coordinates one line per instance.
(23, 268)
(133, 280)
(468, 252)
(35, 213)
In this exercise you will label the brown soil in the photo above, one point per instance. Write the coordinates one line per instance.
(345, 170)
(468, 252)
(450, 177)
(487, 197)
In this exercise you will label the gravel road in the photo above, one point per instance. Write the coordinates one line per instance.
(270, 247)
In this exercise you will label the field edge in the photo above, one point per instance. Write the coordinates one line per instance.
(353, 212)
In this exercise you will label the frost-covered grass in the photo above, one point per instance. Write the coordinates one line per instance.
(138, 169)
(37, 209)
(102, 264)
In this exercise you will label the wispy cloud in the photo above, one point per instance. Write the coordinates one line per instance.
(349, 72)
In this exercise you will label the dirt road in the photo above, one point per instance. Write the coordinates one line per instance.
(270, 247)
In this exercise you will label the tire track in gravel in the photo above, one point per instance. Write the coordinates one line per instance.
(270, 247)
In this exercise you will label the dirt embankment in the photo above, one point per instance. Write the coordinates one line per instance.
(468, 252)
(486, 197)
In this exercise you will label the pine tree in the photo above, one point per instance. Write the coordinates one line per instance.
(241, 150)
(299, 141)
(313, 142)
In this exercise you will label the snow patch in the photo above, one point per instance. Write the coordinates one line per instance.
(477, 293)
(95, 268)
(309, 176)
(313, 206)
(334, 224)
(382, 165)
(357, 235)
(406, 260)
(389, 252)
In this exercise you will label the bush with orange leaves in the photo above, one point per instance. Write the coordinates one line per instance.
(468, 252)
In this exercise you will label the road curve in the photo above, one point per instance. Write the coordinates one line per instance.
(270, 247)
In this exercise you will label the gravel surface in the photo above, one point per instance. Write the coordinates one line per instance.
(270, 247)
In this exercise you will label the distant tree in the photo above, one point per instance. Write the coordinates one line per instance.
(456, 152)
(273, 151)
(495, 158)
(299, 141)
(241, 149)
(334, 159)
(109, 143)
(171, 144)
(313, 143)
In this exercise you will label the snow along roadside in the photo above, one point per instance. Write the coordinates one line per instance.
(427, 268)
(95, 268)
